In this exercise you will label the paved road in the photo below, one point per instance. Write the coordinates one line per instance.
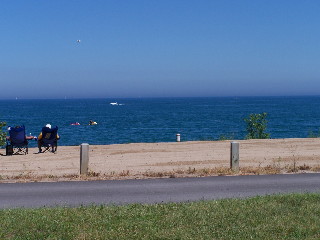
(14, 195)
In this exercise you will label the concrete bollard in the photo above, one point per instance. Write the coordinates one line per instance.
(234, 156)
(178, 137)
(84, 158)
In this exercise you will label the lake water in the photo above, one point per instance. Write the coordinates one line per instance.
(160, 119)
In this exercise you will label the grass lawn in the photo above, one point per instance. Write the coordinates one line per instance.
(294, 216)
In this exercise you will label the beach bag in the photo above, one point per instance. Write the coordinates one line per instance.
(9, 150)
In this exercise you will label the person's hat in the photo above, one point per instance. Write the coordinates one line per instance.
(48, 125)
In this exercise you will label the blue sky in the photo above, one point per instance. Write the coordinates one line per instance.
(159, 48)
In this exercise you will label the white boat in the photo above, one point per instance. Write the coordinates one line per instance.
(114, 103)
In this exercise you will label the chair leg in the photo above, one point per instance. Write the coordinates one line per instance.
(49, 148)
(54, 148)
(20, 150)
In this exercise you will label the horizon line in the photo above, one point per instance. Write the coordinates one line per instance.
(228, 96)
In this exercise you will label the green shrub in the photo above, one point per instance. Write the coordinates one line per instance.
(256, 126)
(312, 134)
(226, 137)
(2, 134)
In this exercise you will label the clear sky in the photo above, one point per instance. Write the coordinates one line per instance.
(159, 48)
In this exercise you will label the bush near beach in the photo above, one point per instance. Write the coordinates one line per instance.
(2, 134)
(256, 126)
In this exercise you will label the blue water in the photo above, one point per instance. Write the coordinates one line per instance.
(158, 120)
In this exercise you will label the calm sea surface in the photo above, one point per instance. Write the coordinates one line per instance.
(160, 119)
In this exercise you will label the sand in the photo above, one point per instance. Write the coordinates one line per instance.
(139, 160)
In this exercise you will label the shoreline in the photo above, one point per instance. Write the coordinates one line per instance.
(163, 159)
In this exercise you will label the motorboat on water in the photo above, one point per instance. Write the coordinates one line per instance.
(114, 103)
(92, 122)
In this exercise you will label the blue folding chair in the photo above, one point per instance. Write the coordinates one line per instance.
(49, 139)
(17, 142)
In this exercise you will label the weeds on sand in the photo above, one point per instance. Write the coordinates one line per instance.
(190, 172)
(124, 173)
(315, 168)
(276, 164)
(93, 174)
(294, 168)
(295, 158)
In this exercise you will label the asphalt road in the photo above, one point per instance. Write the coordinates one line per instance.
(13, 195)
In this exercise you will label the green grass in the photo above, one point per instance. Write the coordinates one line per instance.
(272, 217)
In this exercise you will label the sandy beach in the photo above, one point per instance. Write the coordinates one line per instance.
(174, 159)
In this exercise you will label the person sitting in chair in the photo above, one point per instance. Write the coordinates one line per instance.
(45, 138)
(17, 142)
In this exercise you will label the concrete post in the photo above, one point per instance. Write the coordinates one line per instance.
(234, 156)
(84, 158)
(178, 137)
